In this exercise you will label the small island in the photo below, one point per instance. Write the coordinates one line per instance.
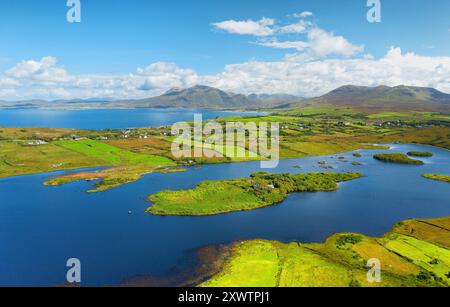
(397, 158)
(258, 191)
(438, 177)
(423, 154)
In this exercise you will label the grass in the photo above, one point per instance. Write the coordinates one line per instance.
(423, 154)
(260, 190)
(18, 158)
(435, 231)
(128, 166)
(429, 257)
(113, 155)
(438, 177)
(341, 260)
(397, 158)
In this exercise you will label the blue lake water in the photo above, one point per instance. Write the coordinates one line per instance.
(41, 227)
(106, 118)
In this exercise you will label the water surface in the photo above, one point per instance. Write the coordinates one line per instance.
(41, 227)
(97, 119)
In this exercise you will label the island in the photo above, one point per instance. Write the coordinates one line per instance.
(423, 154)
(397, 158)
(438, 177)
(416, 253)
(258, 191)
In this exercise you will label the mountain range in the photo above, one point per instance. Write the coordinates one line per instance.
(358, 97)
(201, 96)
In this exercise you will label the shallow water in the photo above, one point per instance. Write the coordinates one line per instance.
(97, 119)
(41, 227)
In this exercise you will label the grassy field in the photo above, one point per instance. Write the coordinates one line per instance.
(128, 166)
(415, 253)
(397, 158)
(438, 177)
(18, 158)
(113, 155)
(260, 190)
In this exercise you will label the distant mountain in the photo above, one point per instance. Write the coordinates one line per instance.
(201, 96)
(383, 97)
(274, 99)
(63, 104)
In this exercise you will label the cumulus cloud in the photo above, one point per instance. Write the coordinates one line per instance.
(315, 78)
(260, 27)
(307, 78)
(43, 70)
(43, 79)
(325, 43)
(162, 75)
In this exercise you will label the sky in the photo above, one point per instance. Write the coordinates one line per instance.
(142, 48)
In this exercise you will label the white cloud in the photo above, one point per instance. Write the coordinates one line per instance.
(308, 78)
(274, 43)
(318, 77)
(317, 43)
(43, 70)
(320, 43)
(325, 43)
(161, 75)
(261, 27)
(304, 14)
(298, 27)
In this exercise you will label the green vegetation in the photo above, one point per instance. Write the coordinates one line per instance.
(128, 166)
(260, 190)
(309, 131)
(113, 155)
(19, 158)
(444, 178)
(415, 254)
(397, 158)
(423, 154)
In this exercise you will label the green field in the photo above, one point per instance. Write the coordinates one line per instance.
(18, 158)
(260, 190)
(127, 166)
(113, 155)
(419, 259)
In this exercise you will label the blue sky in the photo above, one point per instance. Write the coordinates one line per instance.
(118, 37)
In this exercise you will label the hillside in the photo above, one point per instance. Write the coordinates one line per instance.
(382, 97)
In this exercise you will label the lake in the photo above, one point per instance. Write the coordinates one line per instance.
(41, 227)
(97, 119)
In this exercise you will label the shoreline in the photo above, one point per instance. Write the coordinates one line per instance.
(399, 231)
(388, 147)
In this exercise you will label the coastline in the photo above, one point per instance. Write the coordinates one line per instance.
(400, 267)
